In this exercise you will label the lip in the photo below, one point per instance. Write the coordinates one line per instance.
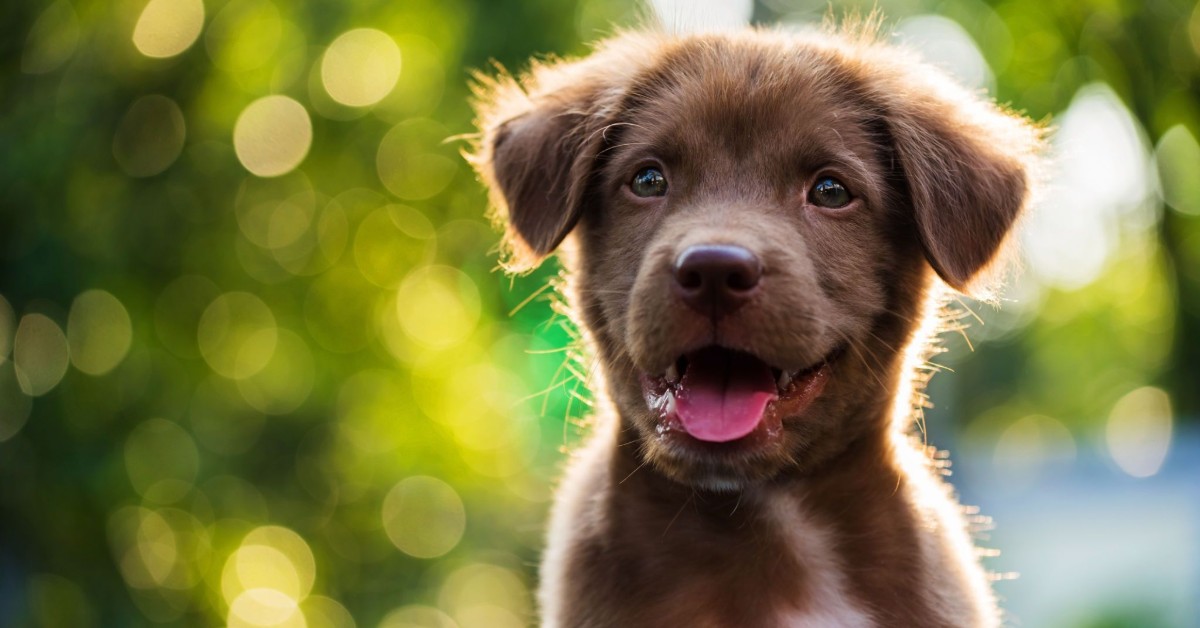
(796, 391)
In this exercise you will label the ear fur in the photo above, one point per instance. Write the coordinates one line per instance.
(539, 139)
(970, 167)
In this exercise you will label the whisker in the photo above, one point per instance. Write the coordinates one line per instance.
(679, 512)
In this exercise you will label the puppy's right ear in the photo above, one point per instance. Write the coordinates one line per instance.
(539, 139)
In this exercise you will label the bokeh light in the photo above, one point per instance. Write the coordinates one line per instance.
(1031, 446)
(422, 81)
(438, 306)
(40, 354)
(1178, 159)
(1101, 176)
(52, 39)
(150, 136)
(244, 35)
(168, 27)
(391, 241)
(267, 577)
(286, 379)
(272, 135)
(360, 67)
(942, 42)
(695, 16)
(161, 461)
(411, 162)
(265, 607)
(99, 332)
(486, 595)
(1138, 432)
(165, 548)
(423, 517)
(237, 334)
(15, 404)
(324, 612)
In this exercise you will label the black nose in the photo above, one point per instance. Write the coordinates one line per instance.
(716, 279)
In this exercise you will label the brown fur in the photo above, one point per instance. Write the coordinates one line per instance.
(839, 518)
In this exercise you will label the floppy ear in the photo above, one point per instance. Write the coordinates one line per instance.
(539, 140)
(540, 165)
(968, 165)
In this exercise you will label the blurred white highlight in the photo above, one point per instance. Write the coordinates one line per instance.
(698, 16)
(945, 44)
(1138, 433)
(1100, 180)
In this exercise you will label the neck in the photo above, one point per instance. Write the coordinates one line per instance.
(778, 541)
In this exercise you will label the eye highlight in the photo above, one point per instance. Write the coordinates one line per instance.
(649, 182)
(830, 193)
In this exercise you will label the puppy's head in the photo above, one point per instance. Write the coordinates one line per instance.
(758, 218)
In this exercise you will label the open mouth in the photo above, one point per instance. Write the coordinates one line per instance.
(719, 395)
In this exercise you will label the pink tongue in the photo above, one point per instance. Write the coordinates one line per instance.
(723, 394)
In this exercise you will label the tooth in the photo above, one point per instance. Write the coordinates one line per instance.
(785, 378)
(670, 403)
(672, 375)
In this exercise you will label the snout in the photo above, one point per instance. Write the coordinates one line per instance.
(716, 280)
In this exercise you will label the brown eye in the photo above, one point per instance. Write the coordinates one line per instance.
(649, 182)
(829, 192)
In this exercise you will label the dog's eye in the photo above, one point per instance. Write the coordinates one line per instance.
(649, 182)
(829, 192)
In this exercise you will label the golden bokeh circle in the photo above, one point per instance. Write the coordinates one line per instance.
(40, 354)
(168, 27)
(237, 335)
(99, 332)
(272, 136)
(438, 306)
(360, 67)
(161, 461)
(424, 517)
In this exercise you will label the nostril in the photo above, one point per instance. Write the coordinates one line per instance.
(691, 280)
(743, 279)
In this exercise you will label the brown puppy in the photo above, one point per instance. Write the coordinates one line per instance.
(758, 221)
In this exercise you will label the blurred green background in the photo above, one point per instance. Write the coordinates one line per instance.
(257, 367)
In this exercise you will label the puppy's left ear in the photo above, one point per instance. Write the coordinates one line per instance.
(969, 166)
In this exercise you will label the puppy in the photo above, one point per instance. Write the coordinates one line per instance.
(760, 226)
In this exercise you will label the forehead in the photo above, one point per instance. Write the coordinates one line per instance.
(744, 100)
